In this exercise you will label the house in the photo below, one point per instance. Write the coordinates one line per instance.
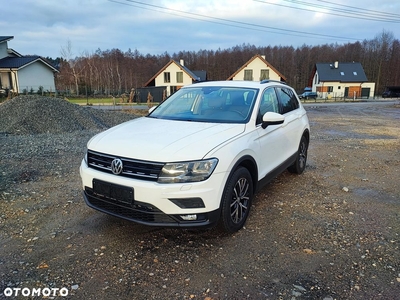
(257, 69)
(341, 80)
(173, 76)
(24, 73)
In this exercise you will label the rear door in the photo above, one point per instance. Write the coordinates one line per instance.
(291, 128)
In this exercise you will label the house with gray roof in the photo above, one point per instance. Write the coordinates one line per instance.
(341, 80)
(24, 73)
(175, 75)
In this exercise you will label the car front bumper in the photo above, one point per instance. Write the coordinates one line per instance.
(151, 203)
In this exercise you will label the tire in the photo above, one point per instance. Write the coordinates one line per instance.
(236, 201)
(301, 160)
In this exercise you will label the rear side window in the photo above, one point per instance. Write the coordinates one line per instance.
(287, 99)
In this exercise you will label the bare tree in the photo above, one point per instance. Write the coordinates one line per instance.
(66, 53)
(113, 71)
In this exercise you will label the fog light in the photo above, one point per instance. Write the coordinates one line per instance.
(189, 217)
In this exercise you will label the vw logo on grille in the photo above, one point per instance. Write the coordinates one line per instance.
(116, 166)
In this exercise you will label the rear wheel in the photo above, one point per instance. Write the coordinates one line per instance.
(301, 160)
(236, 200)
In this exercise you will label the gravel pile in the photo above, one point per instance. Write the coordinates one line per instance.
(44, 136)
(35, 114)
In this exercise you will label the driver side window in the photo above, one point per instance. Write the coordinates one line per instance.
(269, 102)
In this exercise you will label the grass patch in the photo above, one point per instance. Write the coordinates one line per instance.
(136, 112)
(84, 101)
(103, 101)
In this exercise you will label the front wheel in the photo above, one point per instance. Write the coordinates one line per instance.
(300, 164)
(236, 200)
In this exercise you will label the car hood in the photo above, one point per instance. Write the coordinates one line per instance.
(163, 140)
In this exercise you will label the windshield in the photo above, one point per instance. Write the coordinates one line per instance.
(208, 104)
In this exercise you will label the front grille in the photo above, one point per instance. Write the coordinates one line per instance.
(138, 211)
(132, 168)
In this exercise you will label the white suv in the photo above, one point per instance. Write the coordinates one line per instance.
(197, 159)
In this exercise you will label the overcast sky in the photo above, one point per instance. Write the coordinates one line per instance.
(44, 27)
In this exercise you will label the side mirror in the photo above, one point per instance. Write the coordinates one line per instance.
(272, 118)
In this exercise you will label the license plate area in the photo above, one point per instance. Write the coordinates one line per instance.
(113, 192)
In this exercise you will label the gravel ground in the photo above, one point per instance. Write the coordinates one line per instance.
(331, 233)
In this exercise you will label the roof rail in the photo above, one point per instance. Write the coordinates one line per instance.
(269, 80)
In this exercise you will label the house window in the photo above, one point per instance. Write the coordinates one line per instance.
(264, 74)
(342, 73)
(179, 77)
(355, 73)
(330, 89)
(167, 77)
(248, 75)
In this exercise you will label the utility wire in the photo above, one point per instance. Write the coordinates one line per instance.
(192, 17)
(353, 14)
(228, 22)
(379, 16)
(364, 9)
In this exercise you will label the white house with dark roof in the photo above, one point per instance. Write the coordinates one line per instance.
(175, 75)
(24, 73)
(341, 80)
(257, 68)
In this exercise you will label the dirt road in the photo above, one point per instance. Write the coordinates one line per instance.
(331, 233)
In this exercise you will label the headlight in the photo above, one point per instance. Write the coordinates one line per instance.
(190, 171)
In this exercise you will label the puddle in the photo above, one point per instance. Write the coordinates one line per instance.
(365, 193)
(355, 135)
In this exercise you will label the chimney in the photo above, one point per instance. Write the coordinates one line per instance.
(263, 57)
(182, 62)
(336, 64)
